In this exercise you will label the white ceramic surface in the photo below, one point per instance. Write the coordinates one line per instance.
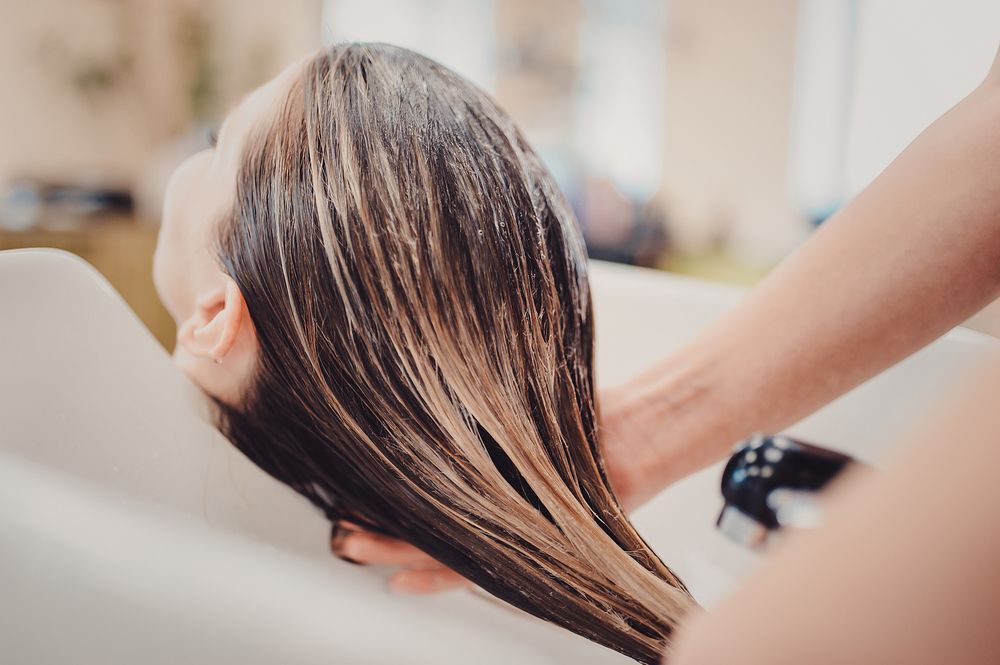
(131, 532)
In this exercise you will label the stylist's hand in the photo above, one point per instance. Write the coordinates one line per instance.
(420, 573)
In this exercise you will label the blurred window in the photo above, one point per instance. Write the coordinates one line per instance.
(821, 100)
(915, 60)
(870, 75)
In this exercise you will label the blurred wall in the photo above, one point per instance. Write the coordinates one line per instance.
(728, 87)
(93, 88)
(538, 43)
(915, 60)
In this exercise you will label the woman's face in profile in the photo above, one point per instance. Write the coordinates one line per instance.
(215, 341)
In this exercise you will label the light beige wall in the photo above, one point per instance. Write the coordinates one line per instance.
(537, 65)
(52, 125)
(729, 83)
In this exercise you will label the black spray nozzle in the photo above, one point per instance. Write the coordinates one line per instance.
(769, 474)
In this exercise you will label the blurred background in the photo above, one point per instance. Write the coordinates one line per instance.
(705, 137)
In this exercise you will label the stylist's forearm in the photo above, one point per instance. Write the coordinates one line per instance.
(914, 255)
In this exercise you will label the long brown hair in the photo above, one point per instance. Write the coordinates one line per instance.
(419, 290)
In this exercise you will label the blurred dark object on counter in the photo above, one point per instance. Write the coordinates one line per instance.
(618, 228)
(29, 204)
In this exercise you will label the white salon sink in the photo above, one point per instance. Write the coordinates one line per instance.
(131, 532)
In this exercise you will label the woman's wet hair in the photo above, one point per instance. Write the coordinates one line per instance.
(419, 290)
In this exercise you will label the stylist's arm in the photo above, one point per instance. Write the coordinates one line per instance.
(915, 254)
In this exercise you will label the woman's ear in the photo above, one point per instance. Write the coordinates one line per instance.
(212, 329)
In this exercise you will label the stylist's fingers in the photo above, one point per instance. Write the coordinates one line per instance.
(432, 580)
(352, 544)
(423, 573)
